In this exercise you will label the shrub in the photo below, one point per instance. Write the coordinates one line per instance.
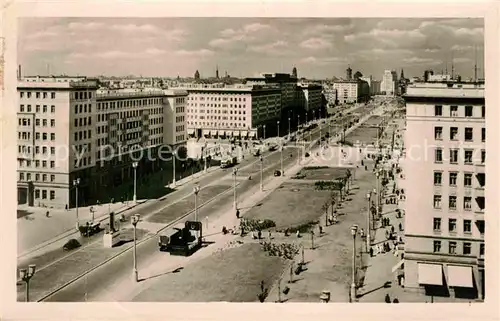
(250, 225)
(284, 250)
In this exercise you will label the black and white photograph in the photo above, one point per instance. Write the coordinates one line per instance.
(250, 159)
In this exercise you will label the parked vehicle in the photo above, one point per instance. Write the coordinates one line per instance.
(277, 173)
(182, 241)
(71, 245)
(272, 148)
(90, 228)
(228, 162)
(256, 152)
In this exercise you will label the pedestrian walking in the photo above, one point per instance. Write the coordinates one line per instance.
(47, 214)
(395, 300)
(392, 228)
(371, 251)
(387, 298)
(400, 226)
(66, 207)
(237, 213)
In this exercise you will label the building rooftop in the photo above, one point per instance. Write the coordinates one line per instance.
(446, 90)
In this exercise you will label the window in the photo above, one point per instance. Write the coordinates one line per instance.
(467, 226)
(468, 180)
(52, 164)
(438, 155)
(21, 176)
(37, 193)
(481, 249)
(453, 133)
(454, 156)
(52, 123)
(467, 203)
(452, 247)
(483, 112)
(467, 248)
(468, 156)
(28, 177)
(44, 122)
(37, 108)
(452, 202)
(437, 246)
(437, 201)
(483, 134)
(44, 108)
(44, 177)
(38, 95)
(44, 194)
(483, 156)
(453, 111)
(437, 224)
(468, 134)
(37, 122)
(53, 95)
(468, 111)
(52, 178)
(44, 136)
(52, 195)
(438, 110)
(438, 133)
(21, 108)
(52, 109)
(52, 150)
(438, 178)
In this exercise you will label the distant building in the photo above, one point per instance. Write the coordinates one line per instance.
(330, 95)
(197, 75)
(309, 96)
(286, 82)
(389, 83)
(439, 78)
(235, 111)
(351, 91)
(445, 197)
(348, 73)
(375, 87)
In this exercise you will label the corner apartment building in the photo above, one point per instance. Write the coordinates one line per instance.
(445, 205)
(388, 86)
(309, 96)
(69, 129)
(351, 91)
(286, 82)
(235, 111)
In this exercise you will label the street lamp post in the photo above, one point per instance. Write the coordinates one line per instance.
(134, 165)
(235, 172)
(76, 182)
(196, 191)
(135, 220)
(278, 122)
(368, 240)
(174, 157)
(288, 127)
(354, 230)
(26, 275)
(261, 174)
(281, 162)
(264, 126)
(378, 194)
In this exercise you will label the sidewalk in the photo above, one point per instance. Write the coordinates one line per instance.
(35, 230)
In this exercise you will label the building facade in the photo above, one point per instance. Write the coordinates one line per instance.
(388, 85)
(351, 91)
(231, 111)
(309, 96)
(445, 205)
(69, 129)
(286, 82)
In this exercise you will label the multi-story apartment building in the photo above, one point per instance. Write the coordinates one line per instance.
(309, 96)
(235, 111)
(351, 91)
(286, 82)
(445, 205)
(388, 85)
(330, 95)
(69, 129)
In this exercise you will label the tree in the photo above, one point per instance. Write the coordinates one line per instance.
(358, 75)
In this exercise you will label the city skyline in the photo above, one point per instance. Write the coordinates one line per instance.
(244, 47)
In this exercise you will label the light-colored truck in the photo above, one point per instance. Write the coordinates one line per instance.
(228, 162)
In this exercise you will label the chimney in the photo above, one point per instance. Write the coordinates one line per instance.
(19, 73)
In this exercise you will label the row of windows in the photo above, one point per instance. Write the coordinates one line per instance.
(221, 118)
(37, 177)
(180, 128)
(38, 94)
(43, 108)
(221, 112)
(180, 100)
(128, 103)
(215, 106)
(43, 195)
(179, 138)
(84, 108)
(37, 163)
(83, 121)
(452, 225)
(227, 125)
(84, 134)
(452, 248)
(468, 111)
(79, 95)
(180, 119)
(452, 202)
(453, 178)
(468, 156)
(43, 149)
(82, 161)
(180, 110)
(217, 98)
(38, 136)
(468, 133)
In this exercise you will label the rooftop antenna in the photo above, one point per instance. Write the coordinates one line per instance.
(475, 63)
(452, 67)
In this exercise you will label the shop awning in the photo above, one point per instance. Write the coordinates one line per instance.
(236, 133)
(190, 131)
(430, 274)
(460, 276)
(206, 132)
(397, 266)
(221, 132)
(213, 132)
(244, 133)
(253, 134)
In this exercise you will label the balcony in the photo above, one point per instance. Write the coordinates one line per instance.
(479, 191)
(479, 168)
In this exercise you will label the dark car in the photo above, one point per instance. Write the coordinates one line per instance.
(71, 245)
(277, 173)
(307, 155)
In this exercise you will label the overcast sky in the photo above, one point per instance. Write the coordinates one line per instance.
(319, 48)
